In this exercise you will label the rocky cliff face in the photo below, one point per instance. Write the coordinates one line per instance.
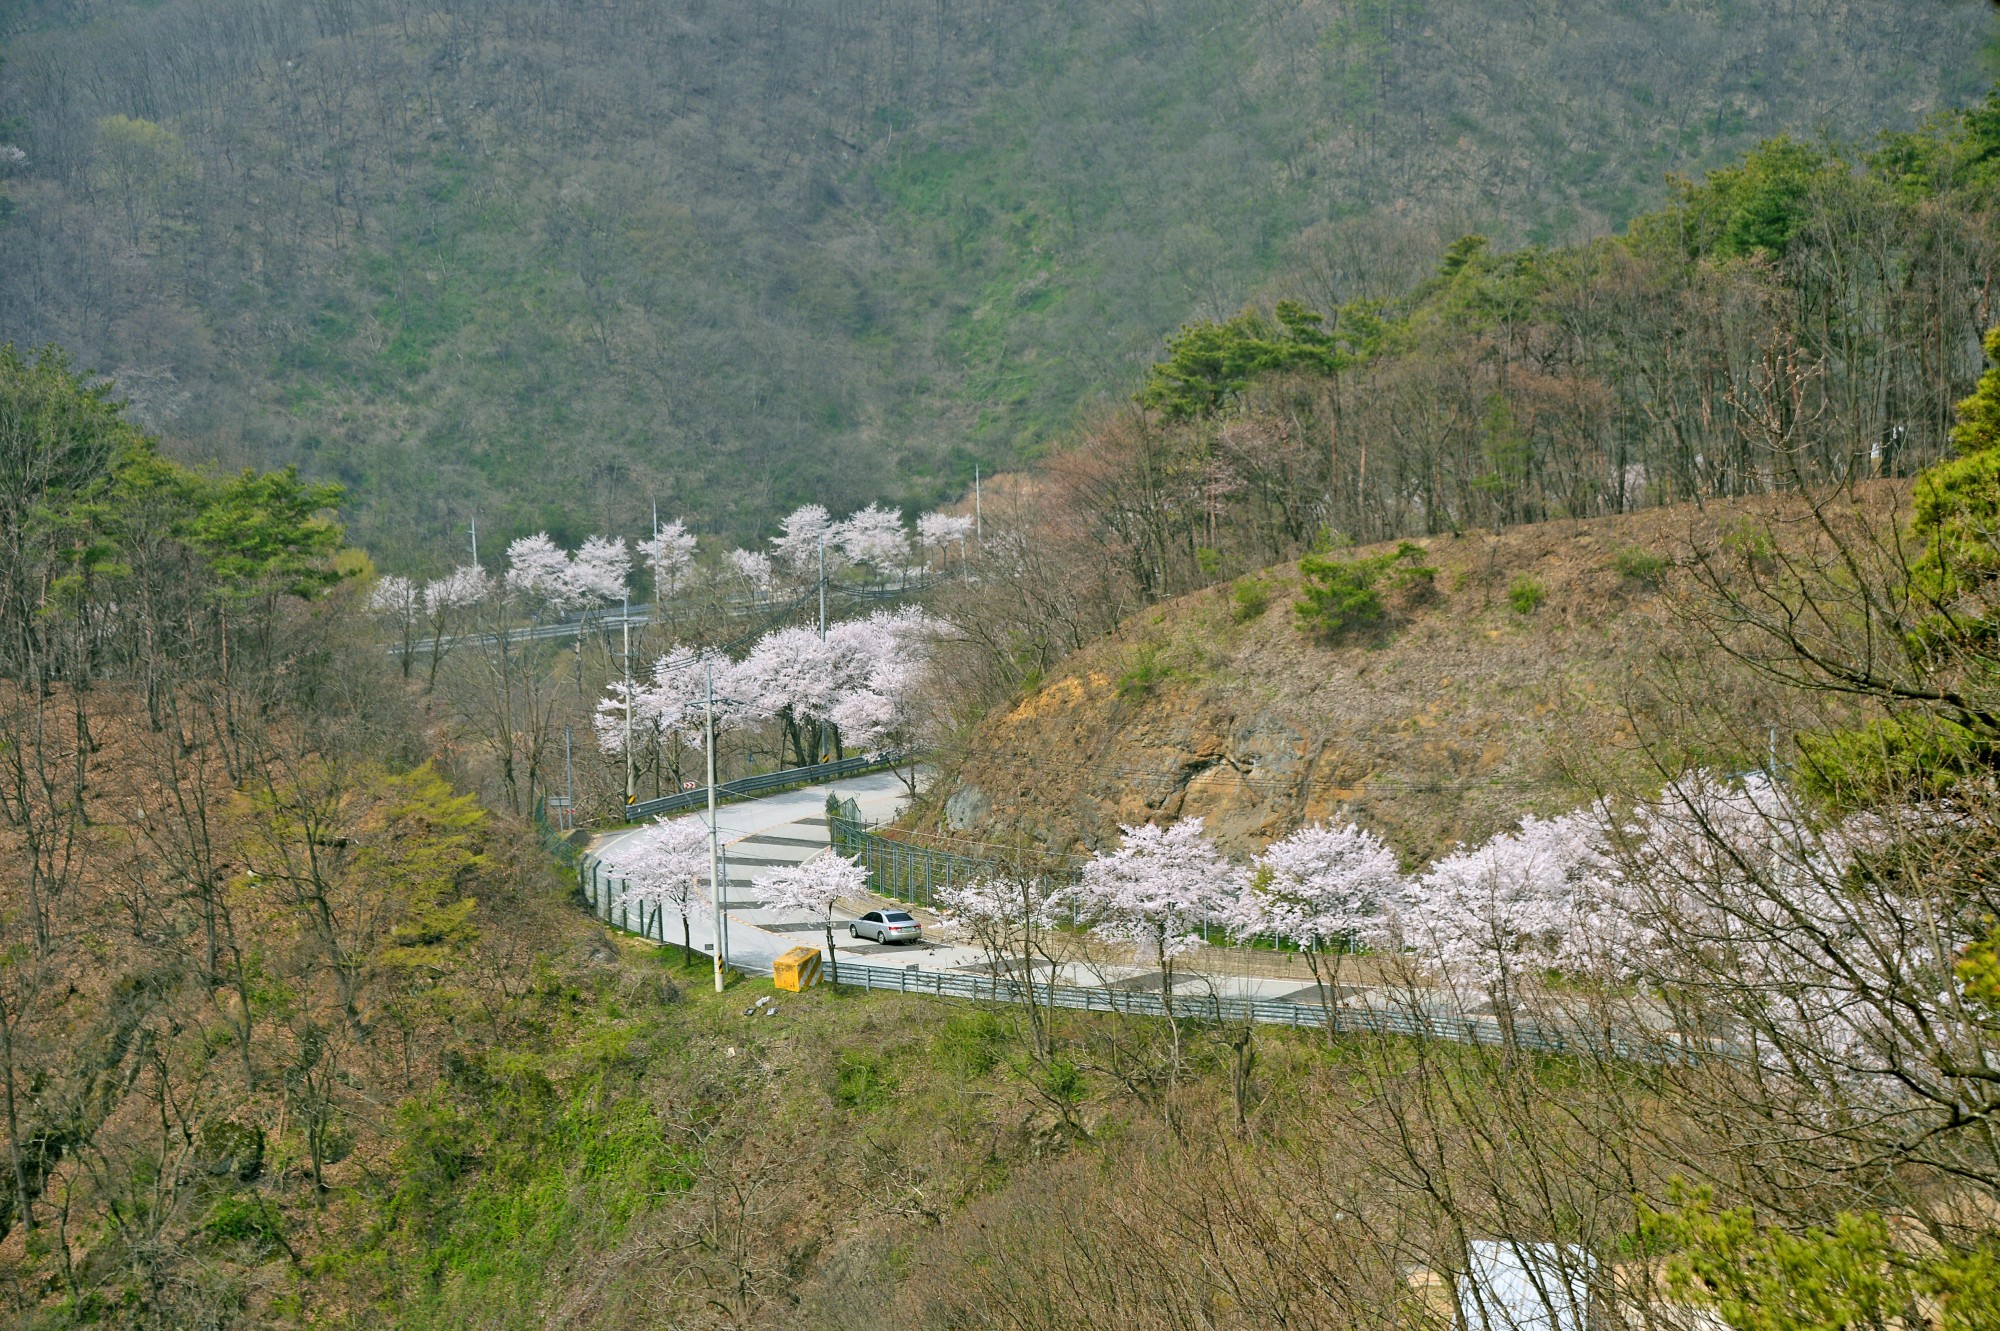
(1468, 707)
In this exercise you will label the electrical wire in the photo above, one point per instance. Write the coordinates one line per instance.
(1225, 771)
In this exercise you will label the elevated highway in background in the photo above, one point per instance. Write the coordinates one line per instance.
(638, 616)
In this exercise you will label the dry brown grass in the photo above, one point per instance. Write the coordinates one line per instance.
(1455, 717)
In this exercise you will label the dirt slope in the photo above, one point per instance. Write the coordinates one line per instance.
(1455, 717)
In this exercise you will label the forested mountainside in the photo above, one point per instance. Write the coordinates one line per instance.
(294, 1033)
(549, 262)
(1804, 318)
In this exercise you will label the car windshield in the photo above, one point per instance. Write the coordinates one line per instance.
(896, 917)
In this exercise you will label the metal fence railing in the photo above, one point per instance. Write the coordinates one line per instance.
(552, 838)
(604, 896)
(764, 783)
(1460, 1028)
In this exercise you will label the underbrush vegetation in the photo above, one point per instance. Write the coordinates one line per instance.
(681, 1155)
(1525, 594)
(1640, 566)
(1147, 670)
(1249, 598)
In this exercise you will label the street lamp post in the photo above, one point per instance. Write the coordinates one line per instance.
(631, 770)
(714, 843)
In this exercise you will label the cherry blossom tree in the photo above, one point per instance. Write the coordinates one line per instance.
(538, 568)
(600, 572)
(806, 528)
(460, 589)
(1155, 892)
(882, 662)
(939, 530)
(596, 575)
(859, 684)
(1014, 918)
(1818, 939)
(856, 685)
(1497, 913)
(667, 864)
(609, 721)
(670, 557)
(1322, 889)
(428, 609)
(400, 603)
(669, 709)
(874, 536)
(395, 597)
(446, 603)
(754, 568)
(794, 676)
(814, 888)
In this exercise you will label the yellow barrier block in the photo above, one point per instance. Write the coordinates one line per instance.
(796, 970)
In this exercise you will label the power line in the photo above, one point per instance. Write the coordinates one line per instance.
(1229, 772)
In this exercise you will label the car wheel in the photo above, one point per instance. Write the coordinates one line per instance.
(853, 932)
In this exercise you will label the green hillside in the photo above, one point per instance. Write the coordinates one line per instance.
(548, 263)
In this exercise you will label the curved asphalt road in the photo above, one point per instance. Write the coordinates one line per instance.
(763, 834)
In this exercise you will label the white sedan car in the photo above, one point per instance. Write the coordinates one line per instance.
(887, 926)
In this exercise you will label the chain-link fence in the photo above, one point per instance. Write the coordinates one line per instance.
(913, 872)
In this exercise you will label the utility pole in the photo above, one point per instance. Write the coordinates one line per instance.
(978, 518)
(569, 784)
(714, 844)
(475, 540)
(822, 589)
(631, 771)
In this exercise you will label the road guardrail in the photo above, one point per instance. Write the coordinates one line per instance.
(748, 787)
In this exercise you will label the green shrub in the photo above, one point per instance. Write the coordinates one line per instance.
(1525, 594)
(971, 1043)
(1415, 580)
(1062, 1082)
(1249, 598)
(1637, 565)
(1957, 505)
(1750, 543)
(1208, 561)
(1887, 759)
(1855, 1272)
(1338, 595)
(863, 1081)
(1146, 673)
(242, 1218)
(1341, 595)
